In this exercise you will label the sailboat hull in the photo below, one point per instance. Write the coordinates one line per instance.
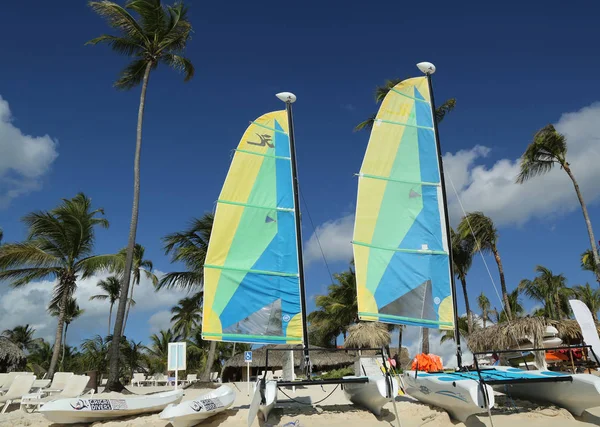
(460, 397)
(371, 395)
(582, 393)
(270, 398)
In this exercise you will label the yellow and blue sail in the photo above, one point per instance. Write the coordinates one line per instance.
(251, 276)
(400, 245)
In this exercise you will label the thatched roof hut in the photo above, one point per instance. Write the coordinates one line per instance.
(12, 357)
(367, 334)
(508, 334)
(320, 358)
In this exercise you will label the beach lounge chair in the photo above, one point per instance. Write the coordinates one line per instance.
(74, 387)
(160, 379)
(138, 379)
(59, 381)
(191, 378)
(19, 387)
(214, 376)
(9, 378)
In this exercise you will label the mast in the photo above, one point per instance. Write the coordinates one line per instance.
(289, 98)
(428, 69)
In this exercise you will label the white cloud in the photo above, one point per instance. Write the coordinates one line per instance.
(28, 304)
(24, 159)
(493, 190)
(335, 238)
(160, 320)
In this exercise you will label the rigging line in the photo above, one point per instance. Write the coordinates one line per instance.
(507, 309)
(316, 235)
(308, 404)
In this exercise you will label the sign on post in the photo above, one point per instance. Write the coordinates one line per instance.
(248, 360)
(176, 358)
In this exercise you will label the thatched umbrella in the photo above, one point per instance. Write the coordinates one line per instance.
(12, 357)
(367, 335)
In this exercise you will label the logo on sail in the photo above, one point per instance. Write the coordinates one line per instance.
(265, 139)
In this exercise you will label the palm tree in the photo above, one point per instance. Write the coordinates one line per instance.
(1, 235)
(518, 310)
(189, 247)
(140, 266)
(95, 353)
(112, 288)
(59, 246)
(187, 315)
(590, 297)
(160, 36)
(481, 228)
(463, 328)
(587, 263)
(549, 148)
(39, 357)
(132, 355)
(462, 257)
(22, 337)
(382, 91)
(484, 305)
(72, 312)
(549, 289)
(159, 349)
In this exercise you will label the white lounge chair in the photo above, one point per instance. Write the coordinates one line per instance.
(9, 378)
(59, 381)
(138, 379)
(19, 387)
(160, 379)
(191, 378)
(74, 387)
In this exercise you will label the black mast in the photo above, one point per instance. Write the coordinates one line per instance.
(429, 71)
(290, 98)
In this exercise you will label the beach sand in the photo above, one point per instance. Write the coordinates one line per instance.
(335, 411)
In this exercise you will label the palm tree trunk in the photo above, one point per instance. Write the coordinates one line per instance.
(58, 336)
(223, 368)
(485, 316)
(128, 307)
(463, 282)
(210, 361)
(113, 383)
(400, 340)
(588, 222)
(425, 341)
(62, 359)
(502, 283)
(110, 317)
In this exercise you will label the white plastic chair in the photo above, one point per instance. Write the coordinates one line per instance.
(9, 378)
(19, 387)
(59, 382)
(138, 379)
(74, 387)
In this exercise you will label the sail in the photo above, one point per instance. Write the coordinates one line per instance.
(400, 243)
(251, 280)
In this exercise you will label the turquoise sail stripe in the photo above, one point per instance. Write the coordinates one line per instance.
(409, 251)
(249, 205)
(260, 338)
(402, 319)
(408, 96)
(270, 128)
(247, 270)
(383, 178)
(263, 155)
(403, 124)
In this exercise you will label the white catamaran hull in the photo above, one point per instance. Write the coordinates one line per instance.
(461, 398)
(79, 410)
(191, 412)
(575, 396)
(371, 395)
(270, 398)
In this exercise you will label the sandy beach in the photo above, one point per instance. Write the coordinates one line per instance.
(336, 411)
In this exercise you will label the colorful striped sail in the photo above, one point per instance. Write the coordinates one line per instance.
(251, 280)
(400, 244)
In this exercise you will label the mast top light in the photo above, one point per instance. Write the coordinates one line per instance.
(426, 67)
(286, 97)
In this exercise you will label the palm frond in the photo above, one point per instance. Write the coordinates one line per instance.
(547, 149)
(444, 109)
(132, 74)
(121, 45)
(120, 19)
(180, 279)
(180, 64)
(367, 124)
(152, 14)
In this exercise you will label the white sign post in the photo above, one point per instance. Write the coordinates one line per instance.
(248, 360)
(176, 358)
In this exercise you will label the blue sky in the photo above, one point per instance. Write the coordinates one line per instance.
(513, 68)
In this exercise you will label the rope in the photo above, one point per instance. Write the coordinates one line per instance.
(316, 236)
(308, 404)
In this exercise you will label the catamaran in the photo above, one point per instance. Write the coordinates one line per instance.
(253, 274)
(403, 254)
